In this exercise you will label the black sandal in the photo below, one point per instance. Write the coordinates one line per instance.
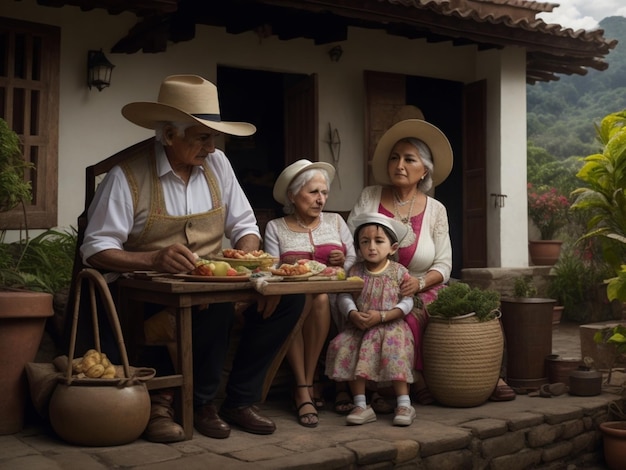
(303, 418)
(318, 402)
(343, 406)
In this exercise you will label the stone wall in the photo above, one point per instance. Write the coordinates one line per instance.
(503, 279)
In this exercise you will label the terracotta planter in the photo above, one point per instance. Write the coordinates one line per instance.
(22, 320)
(614, 437)
(544, 252)
(557, 314)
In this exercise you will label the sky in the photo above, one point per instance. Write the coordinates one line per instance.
(583, 14)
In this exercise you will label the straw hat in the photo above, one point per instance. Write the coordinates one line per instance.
(398, 228)
(436, 140)
(185, 98)
(293, 170)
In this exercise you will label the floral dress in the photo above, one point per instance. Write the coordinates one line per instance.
(384, 352)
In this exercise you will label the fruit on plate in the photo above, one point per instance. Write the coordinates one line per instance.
(240, 254)
(203, 268)
(216, 268)
(296, 269)
(220, 268)
(299, 268)
(333, 272)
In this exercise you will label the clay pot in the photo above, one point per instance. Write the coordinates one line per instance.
(99, 415)
(614, 437)
(585, 383)
(23, 317)
(544, 252)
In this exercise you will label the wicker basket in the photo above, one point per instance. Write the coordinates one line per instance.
(462, 359)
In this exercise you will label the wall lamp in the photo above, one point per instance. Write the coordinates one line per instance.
(335, 53)
(98, 70)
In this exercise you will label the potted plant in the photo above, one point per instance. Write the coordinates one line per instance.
(463, 345)
(548, 210)
(23, 313)
(527, 324)
(604, 198)
(614, 432)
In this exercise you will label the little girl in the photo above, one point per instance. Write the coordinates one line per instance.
(376, 344)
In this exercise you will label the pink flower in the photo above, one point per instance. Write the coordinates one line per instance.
(548, 209)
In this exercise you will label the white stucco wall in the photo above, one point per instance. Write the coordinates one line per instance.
(92, 127)
(505, 73)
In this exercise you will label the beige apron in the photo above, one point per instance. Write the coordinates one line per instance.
(202, 233)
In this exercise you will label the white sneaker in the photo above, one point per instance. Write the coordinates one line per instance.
(361, 416)
(405, 415)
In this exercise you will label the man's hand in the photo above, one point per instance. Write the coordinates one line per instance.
(266, 304)
(176, 258)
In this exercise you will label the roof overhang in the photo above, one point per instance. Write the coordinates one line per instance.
(551, 49)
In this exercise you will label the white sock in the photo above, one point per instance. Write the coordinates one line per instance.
(404, 400)
(359, 400)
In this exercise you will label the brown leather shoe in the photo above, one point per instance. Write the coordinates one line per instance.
(162, 427)
(207, 421)
(248, 419)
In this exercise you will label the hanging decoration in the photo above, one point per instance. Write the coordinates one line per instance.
(334, 143)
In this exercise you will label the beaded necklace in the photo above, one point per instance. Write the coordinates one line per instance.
(405, 220)
(301, 223)
(399, 201)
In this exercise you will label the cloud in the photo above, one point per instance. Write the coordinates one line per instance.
(583, 14)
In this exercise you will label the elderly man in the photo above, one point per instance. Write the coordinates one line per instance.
(170, 201)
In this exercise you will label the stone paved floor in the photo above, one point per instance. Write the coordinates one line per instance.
(330, 445)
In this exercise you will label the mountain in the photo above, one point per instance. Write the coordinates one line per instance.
(561, 114)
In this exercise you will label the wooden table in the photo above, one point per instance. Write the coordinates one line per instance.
(183, 295)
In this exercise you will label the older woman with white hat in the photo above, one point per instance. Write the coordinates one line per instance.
(174, 198)
(306, 232)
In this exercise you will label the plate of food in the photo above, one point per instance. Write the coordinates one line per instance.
(251, 260)
(299, 268)
(297, 277)
(200, 278)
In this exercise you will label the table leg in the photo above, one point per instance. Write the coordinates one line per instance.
(185, 368)
(280, 355)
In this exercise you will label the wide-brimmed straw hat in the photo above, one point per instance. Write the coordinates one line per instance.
(185, 98)
(398, 228)
(436, 140)
(293, 170)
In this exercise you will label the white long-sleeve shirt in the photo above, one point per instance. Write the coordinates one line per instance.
(111, 216)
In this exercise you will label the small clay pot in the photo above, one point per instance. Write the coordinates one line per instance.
(99, 415)
(585, 383)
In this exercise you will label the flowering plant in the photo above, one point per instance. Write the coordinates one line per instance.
(548, 209)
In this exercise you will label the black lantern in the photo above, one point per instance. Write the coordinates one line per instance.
(98, 70)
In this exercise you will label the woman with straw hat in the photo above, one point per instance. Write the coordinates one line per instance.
(411, 158)
(306, 232)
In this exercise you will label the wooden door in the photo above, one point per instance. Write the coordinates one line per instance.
(301, 117)
(474, 176)
(385, 94)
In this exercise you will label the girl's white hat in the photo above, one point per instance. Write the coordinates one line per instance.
(398, 228)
